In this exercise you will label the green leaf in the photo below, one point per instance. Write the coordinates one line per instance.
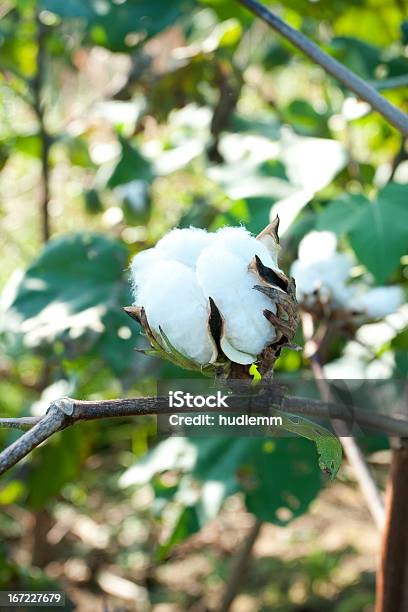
(11, 492)
(379, 235)
(108, 22)
(77, 150)
(29, 144)
(341, 215)
(273, 473)
(404, 32)
(93, 204)
(74, 292)
(131, 166)
(327, 445)
(184, 526)
(364, 58)
(281, 479)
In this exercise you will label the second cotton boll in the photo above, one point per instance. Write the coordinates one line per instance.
(322, 273)
(175, 280)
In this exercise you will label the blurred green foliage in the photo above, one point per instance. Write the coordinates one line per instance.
(175, 113)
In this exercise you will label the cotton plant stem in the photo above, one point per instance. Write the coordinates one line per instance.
(391, 83)
(392, 576)
(45, 428)
(240, 567)
(65, 412)
(354, 83)
(351, 449)
(45, 139)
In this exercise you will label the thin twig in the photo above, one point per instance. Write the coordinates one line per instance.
(23, 423)
(48, 425)
(45, 138)
(351, 449)
(363, 90)
(7, 72)
(392, 83)
(240, 567)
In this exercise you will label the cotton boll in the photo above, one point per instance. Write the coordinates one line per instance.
(379, 302)
(238, 240)
(141, 264)
(184, 245)
(326, 276)
(225, 278)
(317, 246)
(173, 300)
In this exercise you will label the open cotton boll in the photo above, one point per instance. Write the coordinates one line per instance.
(173, 300)
(184, 245)
(238, 240)
(141, 264)
(328, 276)
(317, 246)
(225, 278)
(379, 301)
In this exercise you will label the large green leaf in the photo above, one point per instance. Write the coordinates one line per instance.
(341, 215)
(109, 22)
(273, 473)
(74, 292)
(379, 236)
(281, 479)
(376, 229)
(364, 58)
(279, 476)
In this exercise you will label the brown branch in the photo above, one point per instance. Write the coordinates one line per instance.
(392, 584)
(66, 411)
(350, 446)
(240, 567)
(363, 90)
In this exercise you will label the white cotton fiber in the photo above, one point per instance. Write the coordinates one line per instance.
(317, 246)
(320, 267)
(140, 266)
(379, 301)
(184, 245)
(173, 300)
(175, 280)
(328, 276)
(238, 240)
(224, 277)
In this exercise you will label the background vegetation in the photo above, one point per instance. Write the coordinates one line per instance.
(119, 120)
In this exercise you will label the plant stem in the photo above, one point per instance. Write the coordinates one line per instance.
(391, 83)
(45, 139)
(392, 575)
(363, 90)
(351, 449)
(66, 412)
(240, 567)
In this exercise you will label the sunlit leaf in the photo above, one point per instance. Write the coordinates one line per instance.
(74, 291)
